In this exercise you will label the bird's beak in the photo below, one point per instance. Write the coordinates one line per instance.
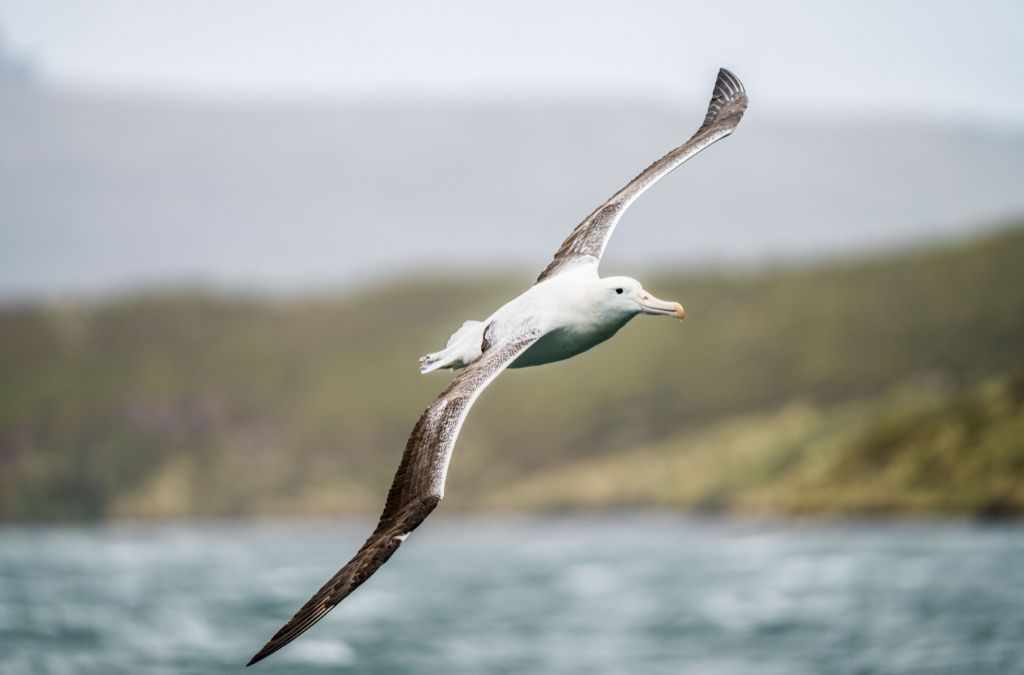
(652, 305)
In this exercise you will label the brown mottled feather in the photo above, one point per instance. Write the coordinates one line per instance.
(588, 240)
(417, 488)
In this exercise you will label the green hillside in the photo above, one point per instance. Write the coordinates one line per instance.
(882, 385)
(920, 449)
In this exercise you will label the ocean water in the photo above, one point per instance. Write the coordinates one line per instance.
(644, 593)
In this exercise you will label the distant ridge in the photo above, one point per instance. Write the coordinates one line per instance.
(100, 193)
(14, 70)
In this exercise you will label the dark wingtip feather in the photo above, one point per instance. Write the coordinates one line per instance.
(728, 92)
(397, 521)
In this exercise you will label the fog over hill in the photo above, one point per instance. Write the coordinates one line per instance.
(103, 193)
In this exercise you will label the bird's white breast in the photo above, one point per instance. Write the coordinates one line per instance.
(564, 307)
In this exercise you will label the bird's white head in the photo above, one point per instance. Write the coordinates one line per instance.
(625, 297)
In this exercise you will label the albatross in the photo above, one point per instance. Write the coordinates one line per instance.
(568, 310)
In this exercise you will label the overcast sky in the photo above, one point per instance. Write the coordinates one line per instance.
(952, 60)
(103, 192)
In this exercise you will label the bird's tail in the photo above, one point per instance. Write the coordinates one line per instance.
(462, 349)
(431, 362)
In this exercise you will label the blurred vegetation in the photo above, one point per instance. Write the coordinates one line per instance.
(917, 450)
(886, 385)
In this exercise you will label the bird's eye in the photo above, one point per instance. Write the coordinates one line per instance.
(619, 291)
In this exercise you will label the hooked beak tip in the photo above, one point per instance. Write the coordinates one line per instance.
(680, 312)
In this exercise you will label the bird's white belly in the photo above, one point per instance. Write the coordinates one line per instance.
(561, 344)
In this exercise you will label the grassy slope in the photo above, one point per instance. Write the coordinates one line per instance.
(918, 449)
(191, 405)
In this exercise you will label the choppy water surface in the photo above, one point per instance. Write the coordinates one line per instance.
(638, 594)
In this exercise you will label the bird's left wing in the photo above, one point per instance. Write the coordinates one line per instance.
(417, 487)
(586, 243)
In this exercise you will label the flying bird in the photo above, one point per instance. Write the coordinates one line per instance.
(567, 311)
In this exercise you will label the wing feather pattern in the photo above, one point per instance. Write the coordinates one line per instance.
(417, 488)
(587, 241)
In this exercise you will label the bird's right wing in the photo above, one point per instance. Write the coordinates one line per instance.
(418, 484)
(587, 241)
